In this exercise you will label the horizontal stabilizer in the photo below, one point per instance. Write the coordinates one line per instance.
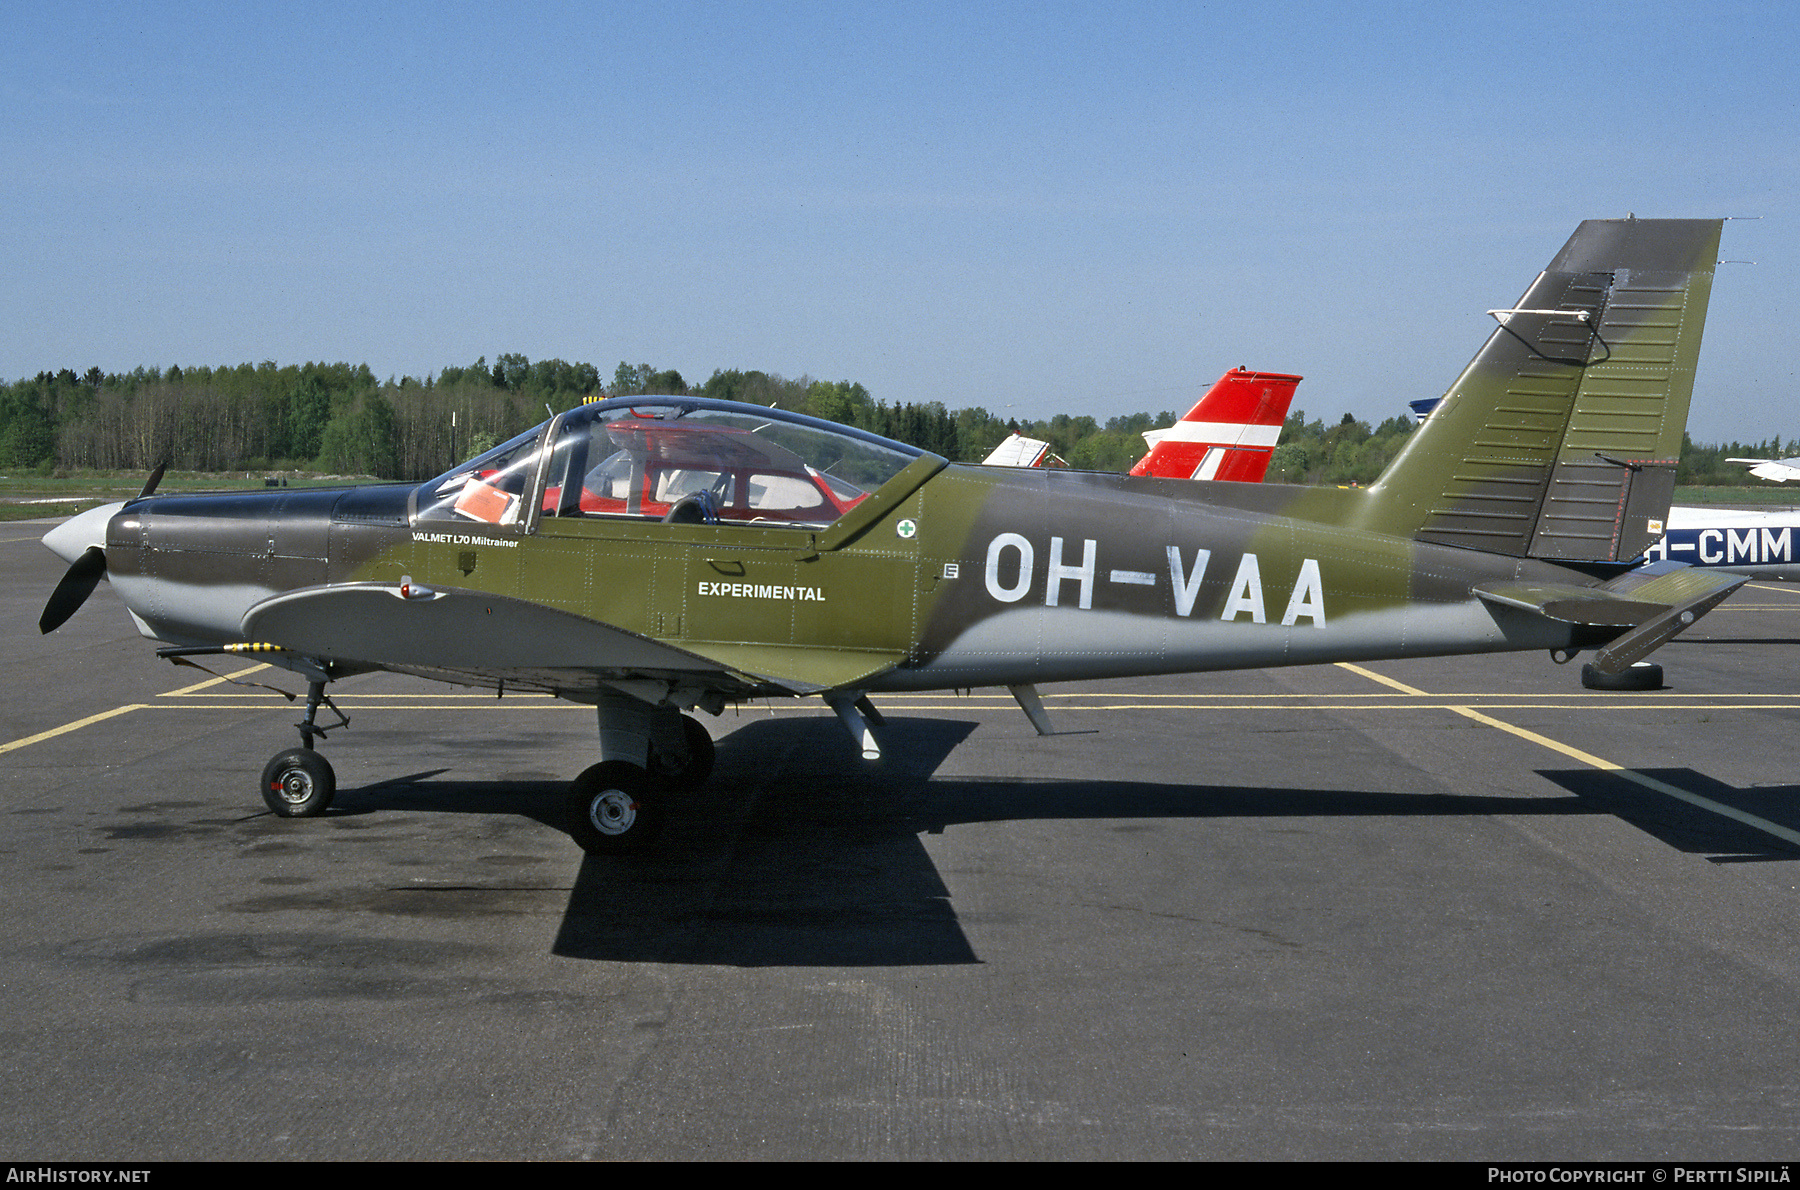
(1571, 604)
(1653, 603)
(1690, 594)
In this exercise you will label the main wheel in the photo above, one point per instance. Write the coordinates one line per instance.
(613, 809)
(298, 783)
(1640, 675)
(700, 755)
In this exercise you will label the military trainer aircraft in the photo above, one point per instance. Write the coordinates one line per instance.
(653, 556)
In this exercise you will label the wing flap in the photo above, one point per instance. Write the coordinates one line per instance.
(802, 668)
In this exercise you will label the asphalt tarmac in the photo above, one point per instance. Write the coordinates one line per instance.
(1441, 909)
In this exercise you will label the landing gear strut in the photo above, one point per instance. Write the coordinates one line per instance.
(648, 753)
(309, 726)
(300, 783)
(688, 766)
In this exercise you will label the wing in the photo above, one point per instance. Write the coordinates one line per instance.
(475, 638)
(1779, 470)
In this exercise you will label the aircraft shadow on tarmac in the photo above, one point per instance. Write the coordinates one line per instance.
(798, 853)
(821, 862)
(1688, 828)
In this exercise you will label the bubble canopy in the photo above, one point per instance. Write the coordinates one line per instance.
(678, 459)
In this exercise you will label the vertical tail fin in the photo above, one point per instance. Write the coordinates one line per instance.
(1229, 434)
(1561, 438)
(1020, 451)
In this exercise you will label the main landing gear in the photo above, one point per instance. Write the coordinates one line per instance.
(650, 753)
(300, 783)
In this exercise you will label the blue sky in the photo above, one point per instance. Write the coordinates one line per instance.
(1085, 208)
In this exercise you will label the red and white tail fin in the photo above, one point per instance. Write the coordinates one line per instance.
(1229, 434)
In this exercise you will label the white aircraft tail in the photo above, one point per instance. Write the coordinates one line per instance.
(1019, 451)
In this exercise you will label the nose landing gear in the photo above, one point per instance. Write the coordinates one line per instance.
(300, 783)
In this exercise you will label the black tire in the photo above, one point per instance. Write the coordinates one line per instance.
(613, 809)
(700, 757)
(298, 783)
(1641, 675)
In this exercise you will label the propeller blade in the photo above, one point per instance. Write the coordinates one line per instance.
(155, 478)
(73, 590)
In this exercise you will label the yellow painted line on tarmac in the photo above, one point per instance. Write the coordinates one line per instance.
(803, 707)
(211, 694)
(1434, 702)
(77, 725)
(1608, 699)
(212, 682)
(364, 696)
(1382, 679)
(351, 705)
(1604, 765)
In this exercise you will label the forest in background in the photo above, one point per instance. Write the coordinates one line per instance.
(340, 419)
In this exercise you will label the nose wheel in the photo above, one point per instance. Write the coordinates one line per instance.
(298, 783)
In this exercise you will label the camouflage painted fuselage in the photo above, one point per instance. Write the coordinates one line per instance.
(975, 576)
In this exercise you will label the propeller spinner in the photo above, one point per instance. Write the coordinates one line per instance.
(81, 540)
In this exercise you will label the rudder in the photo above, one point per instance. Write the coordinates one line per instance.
(1561, 438)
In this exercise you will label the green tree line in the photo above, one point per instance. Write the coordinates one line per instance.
(1349, 452)
(340, 419)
